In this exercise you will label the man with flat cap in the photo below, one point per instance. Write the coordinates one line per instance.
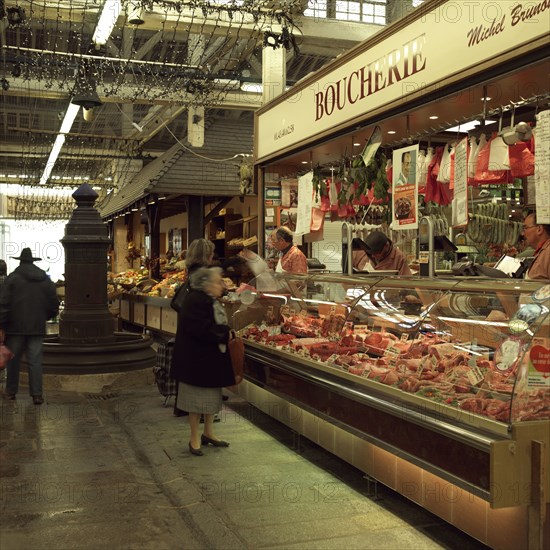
(384, 255)
(27, 300)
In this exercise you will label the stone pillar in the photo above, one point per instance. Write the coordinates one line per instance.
(273, 72)
(86, 317)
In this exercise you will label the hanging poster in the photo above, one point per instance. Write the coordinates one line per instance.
(305, 203)
(542, 167)
(405, 188)
(460, 199)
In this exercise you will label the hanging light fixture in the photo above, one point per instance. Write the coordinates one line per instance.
(271, 39)
(86, 98)
(135, 13)
(84, 93)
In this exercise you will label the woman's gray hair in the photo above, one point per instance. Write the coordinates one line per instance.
(199, 252)
(204, 276)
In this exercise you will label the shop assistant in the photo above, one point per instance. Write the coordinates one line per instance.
(292, 259)
(537, 235)
(384, 255)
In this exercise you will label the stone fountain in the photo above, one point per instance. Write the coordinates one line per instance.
(87, 343)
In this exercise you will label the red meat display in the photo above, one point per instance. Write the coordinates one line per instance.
(428, 366)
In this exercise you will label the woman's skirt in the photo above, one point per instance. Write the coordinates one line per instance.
(195, 399)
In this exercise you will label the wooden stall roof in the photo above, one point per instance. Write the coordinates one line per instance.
(212, 170)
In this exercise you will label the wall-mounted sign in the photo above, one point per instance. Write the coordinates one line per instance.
(415, 59)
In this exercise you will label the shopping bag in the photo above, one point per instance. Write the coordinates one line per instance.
(5, 353)
(236, 351)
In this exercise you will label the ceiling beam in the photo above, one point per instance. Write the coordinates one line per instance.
(236, 99)
(341, 33)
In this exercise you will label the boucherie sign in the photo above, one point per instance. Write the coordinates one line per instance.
(452, 37)
(394, 67)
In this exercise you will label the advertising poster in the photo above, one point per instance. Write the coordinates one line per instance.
(539, 363)
(460, 199)
(405, 188)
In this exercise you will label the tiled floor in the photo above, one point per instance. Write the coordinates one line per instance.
(82, 472)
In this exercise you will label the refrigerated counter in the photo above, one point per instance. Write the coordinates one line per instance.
(438, 388)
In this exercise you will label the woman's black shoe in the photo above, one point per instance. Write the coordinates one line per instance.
(205, 440)
(179, 412)
(196, 452)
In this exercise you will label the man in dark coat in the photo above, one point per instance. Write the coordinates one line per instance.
(27, 300)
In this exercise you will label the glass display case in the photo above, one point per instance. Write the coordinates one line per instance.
(462, 344)
(443, 372)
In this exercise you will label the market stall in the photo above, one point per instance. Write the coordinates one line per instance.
(399, 102)
(365, 141)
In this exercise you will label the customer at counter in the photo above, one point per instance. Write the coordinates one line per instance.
(292, 259)
(384, 254)
(537, 235)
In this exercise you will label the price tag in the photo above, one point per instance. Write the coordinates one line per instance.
(434, 361)
(404, 337)
(332, 358)
(420, 370)
(292, 311)
(423, 257)
(285, 310)
(303, 313)
(391, 351)
(475, 376)
(392, 360)
(332, 309)
(446, 337)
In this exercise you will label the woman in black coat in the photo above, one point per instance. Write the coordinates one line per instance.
(199, 254)
(201, 362)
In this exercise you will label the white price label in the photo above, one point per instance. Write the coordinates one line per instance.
(475, 376)
(391, 351)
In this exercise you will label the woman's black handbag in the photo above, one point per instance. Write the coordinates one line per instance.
(179, 296)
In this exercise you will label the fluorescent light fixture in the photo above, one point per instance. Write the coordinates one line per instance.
(228, 83)
(107, 21)
(252, 87)
(66, 125)
(467, 126)
(392, 132)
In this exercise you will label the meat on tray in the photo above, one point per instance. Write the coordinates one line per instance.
(427, 366)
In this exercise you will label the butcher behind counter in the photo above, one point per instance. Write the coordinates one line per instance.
(384, 255)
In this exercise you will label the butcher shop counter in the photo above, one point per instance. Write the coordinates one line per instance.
(438, 388)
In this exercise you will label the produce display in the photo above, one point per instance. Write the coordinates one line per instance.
(138, 283)
(169, 284)
(118, 283)
(440, 369)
